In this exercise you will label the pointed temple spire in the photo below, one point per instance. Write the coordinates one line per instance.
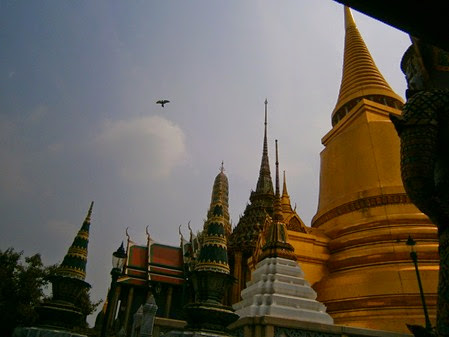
(74, 263)
(213, 255)
(276, 244)
(284, 186)
(349, 19)
(361, 77)
(285, 199)
(220, 195)
(264, 183)
(277, 200)
(245, 235)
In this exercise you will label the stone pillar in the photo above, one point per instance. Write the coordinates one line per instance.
(128, 307)
(168, 301)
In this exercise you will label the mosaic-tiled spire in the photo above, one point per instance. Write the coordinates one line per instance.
(214, 251)
(220, 193)
(264, 183)
(276, 244)
(361, 78)
(74, 263)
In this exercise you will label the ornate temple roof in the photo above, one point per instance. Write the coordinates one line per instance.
(152, 262)
(246, 233)
(276, 242)
(74, 263)
(214, 251)
(361, 78)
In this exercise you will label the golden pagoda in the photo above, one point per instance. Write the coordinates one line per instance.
(369, 280)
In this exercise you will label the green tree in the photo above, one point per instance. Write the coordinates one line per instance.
(87, 307)
(21, 288)
(22, 285)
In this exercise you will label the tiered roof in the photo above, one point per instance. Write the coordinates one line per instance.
(214, 251)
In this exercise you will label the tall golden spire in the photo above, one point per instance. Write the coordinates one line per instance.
(361, 78)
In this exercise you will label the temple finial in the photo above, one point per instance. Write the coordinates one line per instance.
(148, 234)
(222, 167)
(277, 169)
(264, 183)
(349, 19)
(266, 109)
(89, 212)
(277, 216)
(285, 199)
(284, 186)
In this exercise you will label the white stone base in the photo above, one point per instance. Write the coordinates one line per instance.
(278, 289)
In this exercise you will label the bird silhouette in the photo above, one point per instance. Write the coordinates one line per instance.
(163, 102)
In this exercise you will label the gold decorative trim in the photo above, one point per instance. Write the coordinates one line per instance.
(382, 302)
(369, 202)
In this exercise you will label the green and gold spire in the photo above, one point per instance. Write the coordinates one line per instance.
(74, 263)
(220, 194)
(361, 77)
(214, 251)
(276, 244)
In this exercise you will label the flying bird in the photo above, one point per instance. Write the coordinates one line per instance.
(162, 102)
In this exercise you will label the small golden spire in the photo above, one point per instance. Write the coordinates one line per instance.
(284, 186)
(349, 19)
(285, 199)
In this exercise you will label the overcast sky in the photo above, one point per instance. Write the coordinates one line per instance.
(78, 119)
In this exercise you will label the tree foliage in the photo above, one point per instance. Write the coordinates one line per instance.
(22, 285)
(85, 304)
(21, 288)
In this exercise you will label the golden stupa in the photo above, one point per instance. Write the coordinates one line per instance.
(363, 209)
(355, 254)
